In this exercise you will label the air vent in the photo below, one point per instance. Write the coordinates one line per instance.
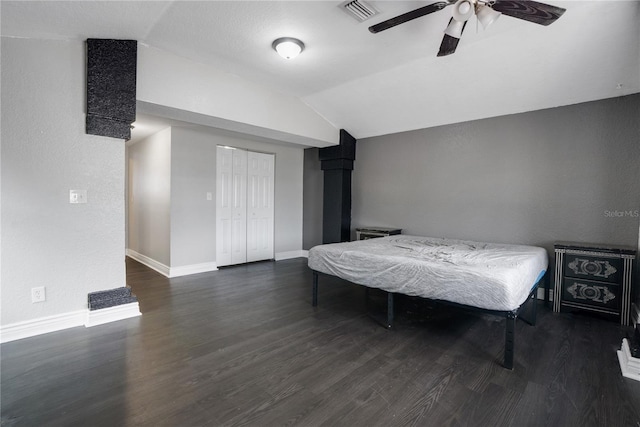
(359, 10)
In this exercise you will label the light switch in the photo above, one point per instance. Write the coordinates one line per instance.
(209, 196)
(77, 196)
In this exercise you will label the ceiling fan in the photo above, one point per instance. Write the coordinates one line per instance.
(487, 11)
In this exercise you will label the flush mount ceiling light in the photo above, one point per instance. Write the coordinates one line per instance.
(288, 47)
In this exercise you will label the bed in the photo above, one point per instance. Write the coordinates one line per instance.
(495, 278)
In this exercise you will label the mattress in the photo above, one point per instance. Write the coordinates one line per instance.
(491, 276)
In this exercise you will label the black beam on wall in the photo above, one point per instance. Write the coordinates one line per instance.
(111, 87)
(337, 164)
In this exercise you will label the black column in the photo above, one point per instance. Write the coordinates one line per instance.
(111, 87)
(337, 164)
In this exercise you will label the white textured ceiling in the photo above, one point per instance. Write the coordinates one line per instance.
(373, 84)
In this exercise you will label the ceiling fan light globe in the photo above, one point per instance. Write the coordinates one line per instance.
(462, 10)
(454, 29)
(487, 16)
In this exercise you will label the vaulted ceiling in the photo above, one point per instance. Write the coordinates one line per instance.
(373, 84)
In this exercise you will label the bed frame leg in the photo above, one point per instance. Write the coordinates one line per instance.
(534, 309)
(314, 296)
(529, 309)
(510, 338)
(389, 310)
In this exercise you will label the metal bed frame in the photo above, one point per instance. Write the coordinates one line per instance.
(510, 316)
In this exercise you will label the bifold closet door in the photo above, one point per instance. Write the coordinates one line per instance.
(244, 206)
(260, 207)
(231, 206)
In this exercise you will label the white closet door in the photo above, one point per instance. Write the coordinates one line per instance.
(224, 213)
(239, 208)
(231, 206)
(244, 206)
(260, 206)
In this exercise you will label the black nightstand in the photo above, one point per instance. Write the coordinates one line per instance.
(594, 278)
(372, 232)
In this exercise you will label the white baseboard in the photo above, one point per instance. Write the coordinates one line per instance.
(111, 314)
(629, 365)
(291, 254)
(149, 262)
(73, 319)
(192, 269)
(42, 325)
(171, 272)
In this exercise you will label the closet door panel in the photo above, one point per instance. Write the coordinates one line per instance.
(224, 214)
(260, 209)
(239, 208)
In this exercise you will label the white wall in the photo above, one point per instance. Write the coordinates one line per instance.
(149, 203)
(73, 250)
(193, 217)
(226, 101)
(70, 249)
(289, 163)
(288, 183)
(186, 237)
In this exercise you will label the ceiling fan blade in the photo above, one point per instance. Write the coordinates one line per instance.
(409, 16)
(540, 13)
(449, 44)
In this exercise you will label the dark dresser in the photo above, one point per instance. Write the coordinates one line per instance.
(371, 232)
(594, 278)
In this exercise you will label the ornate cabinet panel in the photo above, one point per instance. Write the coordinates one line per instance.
(594, 294)
(594, 278)
(593, 268)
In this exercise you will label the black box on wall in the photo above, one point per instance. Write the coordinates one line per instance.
(111, 87)
(337, 164)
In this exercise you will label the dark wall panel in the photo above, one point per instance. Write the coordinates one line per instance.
(337, 164)
(111, 87)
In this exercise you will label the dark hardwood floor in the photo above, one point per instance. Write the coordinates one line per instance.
(244, 346)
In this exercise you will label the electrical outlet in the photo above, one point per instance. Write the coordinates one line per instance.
(37, 294)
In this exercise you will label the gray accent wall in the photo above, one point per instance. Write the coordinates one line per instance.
(567, 173)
